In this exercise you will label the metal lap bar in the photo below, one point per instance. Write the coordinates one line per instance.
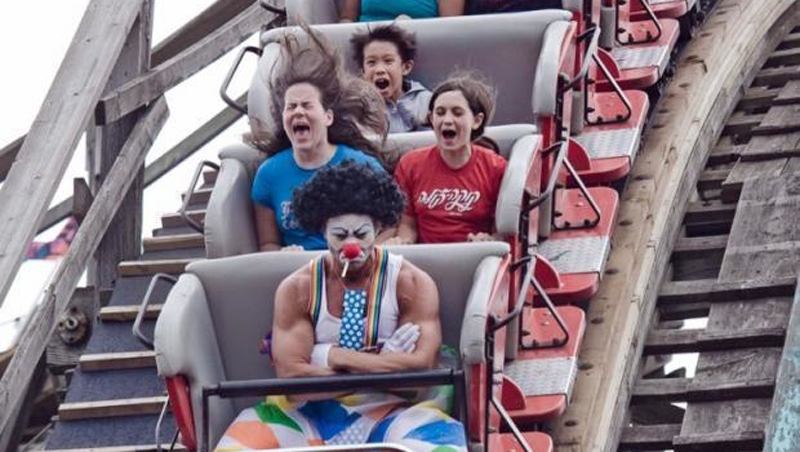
(651, 16)
(223, 90)
(188, 198)
(308, 385)
(158, 430)
(617, 90)
(272, 8)
(546, 213)
(552, 308)
(582, 187)
(493, 325)
(591, 49)
(137, 324)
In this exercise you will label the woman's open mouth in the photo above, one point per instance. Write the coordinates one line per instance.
(301, 130)
(448, 134)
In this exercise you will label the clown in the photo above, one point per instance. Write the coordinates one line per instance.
(355, 309)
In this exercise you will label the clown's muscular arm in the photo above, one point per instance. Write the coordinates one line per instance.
(293, 333)
(418, 300)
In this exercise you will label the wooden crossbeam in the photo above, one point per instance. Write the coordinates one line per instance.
(692, 247)
(170, 73)
(689, 390)
(175, 220)
(649, 437)
(111, 408)
(173, 242)
(714, 442)
(93, 362)
(128, 313)
(151, 267)
(705, 211)
(705, 290)
(56, 298)
(689, 341)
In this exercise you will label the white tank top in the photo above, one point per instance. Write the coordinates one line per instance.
(327, 328)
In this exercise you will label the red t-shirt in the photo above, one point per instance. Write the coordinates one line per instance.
(448, 204)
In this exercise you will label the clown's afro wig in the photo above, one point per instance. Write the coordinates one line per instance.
(348, 188)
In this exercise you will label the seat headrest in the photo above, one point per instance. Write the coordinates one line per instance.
(504, 48)
(503, 136)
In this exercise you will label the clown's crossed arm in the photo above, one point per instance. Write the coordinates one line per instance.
(355, 309)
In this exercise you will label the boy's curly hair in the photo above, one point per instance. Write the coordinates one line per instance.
(348, 188)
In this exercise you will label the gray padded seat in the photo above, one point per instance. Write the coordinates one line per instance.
(215, 316)
(230, 223)
(327, 11)
(518, 53)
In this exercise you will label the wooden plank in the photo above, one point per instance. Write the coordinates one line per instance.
(782, 432)
(675, 292)
(656, 413)
(776, 76)
(141, 268)
(122, 240)
(174, 220)
(128, 313)
(758, 98)
(725, 425)
(705, 211)
(213, 17)
(684, 311)
(691, 341)
(170, 73)
(119, 360)
(789, 94)
(55, 299)
(210, 177)
(765, 239)
(111, 408)
(742, 123)
(749, 170)
(62, 356)
(174, 242)
(712, 179)
(201, 195)
(7, 156)
(785, 57)
(49, 145)
(721, 155)
(689, 390)
(791, 40)
(772, 147)
(650, 437)
(779, 119)
(687, 247)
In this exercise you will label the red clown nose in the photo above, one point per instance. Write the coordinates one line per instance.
(351, 251)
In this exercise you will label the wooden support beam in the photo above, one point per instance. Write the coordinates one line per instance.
(174, 242)
(709, 211)
(49, 145)
(689, 390)
(111, 408)
(693, 247)
(714, 442)
(141, 268)
(782, 434)
(128, 313)
(55, 299)
(119, 360)
(689, 341)
(175, 220)
(213, 17)
(7, 156)
(168, 74)
(705, 290)
(649, 437)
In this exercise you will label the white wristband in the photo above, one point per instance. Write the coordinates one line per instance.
(319, 355)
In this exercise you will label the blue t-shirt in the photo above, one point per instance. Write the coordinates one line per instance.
(372, 10)
(277, 179)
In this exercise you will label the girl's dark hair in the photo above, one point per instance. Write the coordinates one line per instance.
(480, 97)
(359, 120)
(405, 42)
(348, 188)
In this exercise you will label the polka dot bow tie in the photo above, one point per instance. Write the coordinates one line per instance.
(351, 332)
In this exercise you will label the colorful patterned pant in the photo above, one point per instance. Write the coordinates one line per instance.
(354, 419)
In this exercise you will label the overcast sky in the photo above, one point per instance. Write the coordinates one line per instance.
(34, 36)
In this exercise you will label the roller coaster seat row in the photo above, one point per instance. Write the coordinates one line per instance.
(567, 133)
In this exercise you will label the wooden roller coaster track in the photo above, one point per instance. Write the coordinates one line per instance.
(722, 148)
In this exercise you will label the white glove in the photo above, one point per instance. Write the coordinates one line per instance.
(404, 339)
(319, 355)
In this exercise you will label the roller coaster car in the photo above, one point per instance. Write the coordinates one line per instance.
(207, 335)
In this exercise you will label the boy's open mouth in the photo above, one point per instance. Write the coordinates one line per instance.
(382, 83)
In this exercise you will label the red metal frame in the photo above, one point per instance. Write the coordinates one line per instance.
(181, 402)
(667, 10)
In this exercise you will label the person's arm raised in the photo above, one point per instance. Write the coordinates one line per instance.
(418, 299)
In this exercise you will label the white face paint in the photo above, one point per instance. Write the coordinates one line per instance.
(350, 230)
